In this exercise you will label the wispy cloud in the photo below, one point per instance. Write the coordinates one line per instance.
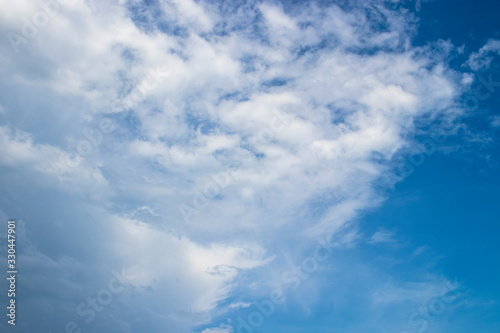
(231, 129)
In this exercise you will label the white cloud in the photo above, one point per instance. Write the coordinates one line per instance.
(202, 274)
(276, 18)
(382, 236)
(289, 101)
(64, 169)
(482, 59)
(222, 329)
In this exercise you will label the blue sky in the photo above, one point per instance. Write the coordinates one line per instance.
(251, 166)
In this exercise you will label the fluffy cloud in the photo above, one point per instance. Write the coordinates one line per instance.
(482, 59)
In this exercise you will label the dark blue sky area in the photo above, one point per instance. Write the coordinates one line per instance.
(462, 22)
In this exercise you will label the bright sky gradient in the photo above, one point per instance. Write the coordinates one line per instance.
(251, 166)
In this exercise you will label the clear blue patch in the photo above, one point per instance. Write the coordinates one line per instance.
(258, 155)
(276, 82)
(149, 16)
(234, 96)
